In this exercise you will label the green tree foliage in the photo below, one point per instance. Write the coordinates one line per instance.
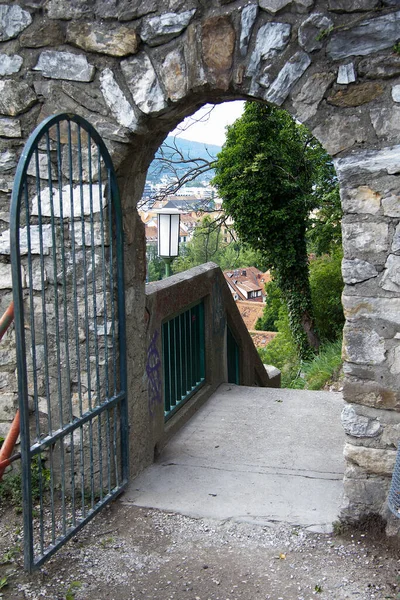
(265, 174)
(207, 245)
(326, 289)
(272, 306)
(155, 264)
(326, 292)
(203, 247)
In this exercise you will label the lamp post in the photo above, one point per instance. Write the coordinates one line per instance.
(168, 225)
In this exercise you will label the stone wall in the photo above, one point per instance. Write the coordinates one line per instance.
(135, 68)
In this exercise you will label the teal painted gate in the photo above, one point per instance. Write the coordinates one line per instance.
(67, 266)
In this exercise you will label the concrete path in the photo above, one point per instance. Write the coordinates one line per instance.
(253, 454)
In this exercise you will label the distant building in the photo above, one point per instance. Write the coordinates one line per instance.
(247, 284)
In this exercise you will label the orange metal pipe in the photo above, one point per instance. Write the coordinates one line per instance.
(9, 443)
(12, 436)
(6, 319)
(8, 461)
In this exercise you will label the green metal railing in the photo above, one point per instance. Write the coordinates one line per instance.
(183, 357)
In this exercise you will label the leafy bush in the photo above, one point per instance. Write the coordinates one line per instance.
(282, 350)
(273, 304)
(10, 486)
(326, 292)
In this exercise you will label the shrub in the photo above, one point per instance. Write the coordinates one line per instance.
(326, 292)
(273, 304)
(282, 350)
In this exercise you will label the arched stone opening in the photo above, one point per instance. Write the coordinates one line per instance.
(136, 69)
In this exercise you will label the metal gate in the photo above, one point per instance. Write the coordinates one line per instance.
(67, 264)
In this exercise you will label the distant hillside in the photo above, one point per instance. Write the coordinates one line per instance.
(188, 150)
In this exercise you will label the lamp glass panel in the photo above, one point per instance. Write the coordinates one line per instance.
(168, 235)
(175, 235)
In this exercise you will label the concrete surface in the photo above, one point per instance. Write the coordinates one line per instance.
(255, 454)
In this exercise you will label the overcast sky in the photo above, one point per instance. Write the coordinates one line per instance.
(208, 126)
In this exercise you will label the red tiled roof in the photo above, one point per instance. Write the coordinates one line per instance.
(246, 280)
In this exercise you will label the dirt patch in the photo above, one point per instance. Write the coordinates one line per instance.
(130, 553)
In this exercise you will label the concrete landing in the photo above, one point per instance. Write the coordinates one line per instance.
(255, 454)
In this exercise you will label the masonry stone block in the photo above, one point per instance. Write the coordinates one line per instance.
(218, 42)
(350, 6)
(380, 67)
(73, 9)
(274, 6)
(10, 128)
(371, 161)
(396, 93)
(372, 308)
(366, 237)
(396, 241)
(303, 6)
(160, 29)
(43, 32)
(356, 95)
(346, 74)
(366, 38)
(128, 10)
(271, 39)
(310, 31)
(5, 276)
(143, 83)
(386, 122)
(13, 20)
(378, 462)
(358, 425)
(391, 208)
(306, 102)
(88, 97)
(105, 38)
(10, 64)
(338, 133)
(173, 74)
(7, 406)
(356, 271)
(65, 65)
(8, 161)
(248, 17)
(117, 101)
(15, 97)
(391, 275)
(361, 200)
(364, 496)
(363, 345)
(287, 77)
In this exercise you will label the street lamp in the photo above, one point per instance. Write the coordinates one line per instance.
(168, 225)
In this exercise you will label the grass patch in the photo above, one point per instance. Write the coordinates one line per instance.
(308, 375)
(322, 369)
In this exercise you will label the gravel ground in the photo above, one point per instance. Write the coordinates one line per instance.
(132, 553)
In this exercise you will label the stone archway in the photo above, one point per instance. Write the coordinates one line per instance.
(134, 69)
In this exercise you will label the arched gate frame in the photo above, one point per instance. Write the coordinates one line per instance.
(68, 285)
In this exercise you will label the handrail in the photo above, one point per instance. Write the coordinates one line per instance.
(12, 436)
